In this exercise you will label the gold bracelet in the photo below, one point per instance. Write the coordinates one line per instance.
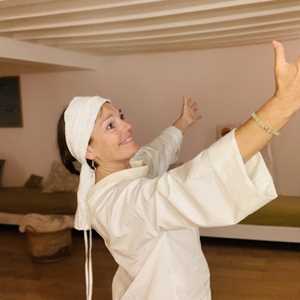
(264, 126)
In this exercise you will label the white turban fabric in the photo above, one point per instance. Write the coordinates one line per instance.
(80, 117)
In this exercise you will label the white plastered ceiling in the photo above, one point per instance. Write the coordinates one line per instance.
(117, 27)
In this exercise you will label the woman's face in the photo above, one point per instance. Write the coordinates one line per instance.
(111, 139)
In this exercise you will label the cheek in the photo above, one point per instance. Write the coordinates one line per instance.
(110, 148)
(104, 146)
(112, 144)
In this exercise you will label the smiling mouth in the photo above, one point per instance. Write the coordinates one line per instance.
(128, 140)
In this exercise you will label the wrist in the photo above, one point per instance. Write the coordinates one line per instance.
(283, 105)
(276, 107)
(180, 124)
(275, 113)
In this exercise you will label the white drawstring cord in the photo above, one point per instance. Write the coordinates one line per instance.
(88, 264)
(90, 267)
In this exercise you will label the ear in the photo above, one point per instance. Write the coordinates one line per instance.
(90, 153)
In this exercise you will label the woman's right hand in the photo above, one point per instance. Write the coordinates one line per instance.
(287, 77)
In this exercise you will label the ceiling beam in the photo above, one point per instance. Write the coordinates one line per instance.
(144, 26)
(215, 32)
(189, 40)
(161, 10)
(117, 51)
(63, 7)
(15, 3)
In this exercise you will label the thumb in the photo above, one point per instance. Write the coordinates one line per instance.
(182, 105)
(279, 54)
(185, 101)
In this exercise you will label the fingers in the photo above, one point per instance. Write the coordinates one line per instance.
(190, 110)
(189, 103)
(188, 98)
(280, 59)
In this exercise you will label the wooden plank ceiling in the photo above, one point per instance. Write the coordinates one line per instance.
(113, 27)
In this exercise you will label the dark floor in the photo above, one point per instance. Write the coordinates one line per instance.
(239, 270)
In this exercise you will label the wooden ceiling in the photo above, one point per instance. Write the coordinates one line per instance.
(114, 27)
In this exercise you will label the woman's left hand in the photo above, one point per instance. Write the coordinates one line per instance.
(189, 114)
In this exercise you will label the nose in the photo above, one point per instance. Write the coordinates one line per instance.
(127, 126)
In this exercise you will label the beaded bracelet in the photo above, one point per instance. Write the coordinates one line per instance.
(263, 125)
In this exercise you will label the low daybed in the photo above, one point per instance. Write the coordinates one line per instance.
(15, 202)
(278, 221)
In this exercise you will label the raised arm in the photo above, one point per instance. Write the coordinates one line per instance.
(164, 150)
(161, 152)
(227, 181)
(277, 111)
(215, 188)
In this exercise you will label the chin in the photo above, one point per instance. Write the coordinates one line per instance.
(131, 149)
(135, 147)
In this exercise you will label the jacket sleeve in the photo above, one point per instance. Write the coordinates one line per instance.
(161, 152)
(216, 188)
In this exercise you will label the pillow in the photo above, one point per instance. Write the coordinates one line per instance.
(34, 181)
(60, 179)
(2, 162)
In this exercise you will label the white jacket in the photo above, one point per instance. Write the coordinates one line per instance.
(149, 218)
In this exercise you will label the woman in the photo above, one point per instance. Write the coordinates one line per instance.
(149, 217)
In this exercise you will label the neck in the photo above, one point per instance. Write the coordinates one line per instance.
(106, 169)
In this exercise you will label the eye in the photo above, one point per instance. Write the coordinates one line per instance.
(110, 126)
(122, 117)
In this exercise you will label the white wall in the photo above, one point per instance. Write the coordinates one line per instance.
(228, 83)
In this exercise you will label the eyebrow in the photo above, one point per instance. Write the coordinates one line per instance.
(111, 115)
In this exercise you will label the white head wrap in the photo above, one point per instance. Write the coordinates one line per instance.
(80, 117)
